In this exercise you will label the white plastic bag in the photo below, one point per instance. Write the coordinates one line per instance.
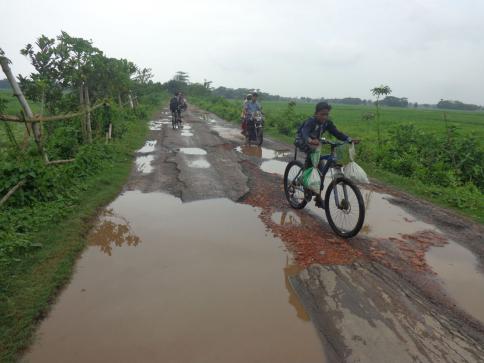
(353, 171)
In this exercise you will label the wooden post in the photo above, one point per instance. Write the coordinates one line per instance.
(130, 99)
(88, 115)
(4, 62)
(82, 104)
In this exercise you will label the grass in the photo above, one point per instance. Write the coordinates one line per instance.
(29, 286)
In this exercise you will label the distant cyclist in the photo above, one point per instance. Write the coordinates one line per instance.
(311, 131)
(174, 103)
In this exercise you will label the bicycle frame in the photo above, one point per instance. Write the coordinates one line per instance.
(331, 163)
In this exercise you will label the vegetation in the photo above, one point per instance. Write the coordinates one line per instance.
(42, 224)
(433, 154)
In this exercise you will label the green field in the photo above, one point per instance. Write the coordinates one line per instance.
(349, 118)
(11, 106)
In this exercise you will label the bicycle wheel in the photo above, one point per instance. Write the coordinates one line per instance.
(344, 206)
(292, 186)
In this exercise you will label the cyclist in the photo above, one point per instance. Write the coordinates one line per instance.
(310, 132)
(174, 104)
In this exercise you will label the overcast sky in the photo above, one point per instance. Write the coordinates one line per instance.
(423, 49)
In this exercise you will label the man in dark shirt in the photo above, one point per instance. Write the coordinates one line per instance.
(310, 132)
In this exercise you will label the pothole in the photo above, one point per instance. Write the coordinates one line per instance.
(192, 151)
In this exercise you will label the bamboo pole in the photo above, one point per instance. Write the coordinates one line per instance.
(88, 114)
(37, 118)
(11, 191)
(4, 62)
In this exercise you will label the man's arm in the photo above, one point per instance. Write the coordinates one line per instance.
(337, 133)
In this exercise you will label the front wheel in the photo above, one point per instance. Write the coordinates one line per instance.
(293, 187)
(344, 206)
(259, 137)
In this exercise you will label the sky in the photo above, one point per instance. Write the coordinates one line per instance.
(425, 50)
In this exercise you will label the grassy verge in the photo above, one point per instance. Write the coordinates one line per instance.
(29, 284)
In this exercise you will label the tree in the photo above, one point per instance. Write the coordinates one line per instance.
(378, 92)
(181, 77)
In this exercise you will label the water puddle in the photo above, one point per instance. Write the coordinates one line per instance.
(228, 133)
(261, 152)
(274, 167)
(186, 127)
(155, 125)
(457, 267)
(186, 133)
(192, 151)
(384, 219)
(148, 147)
(198, 163)
(286, 218)
(143, 164)
(165, 281)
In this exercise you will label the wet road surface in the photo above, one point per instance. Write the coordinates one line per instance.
(201, 260)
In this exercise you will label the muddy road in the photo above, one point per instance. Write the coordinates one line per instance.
(200, 259)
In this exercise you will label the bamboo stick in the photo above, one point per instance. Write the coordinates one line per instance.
(11, 191)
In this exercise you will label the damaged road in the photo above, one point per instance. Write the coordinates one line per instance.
(201, 259)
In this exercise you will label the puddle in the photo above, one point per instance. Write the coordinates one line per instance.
(148, 147)
(261, 152)
(199, 163)
(205, 282)
(186, 127)
(228, 133)
(193, 151)
(274, 167)
(186, 133)
(384, 219)
(457, 267)
(143, 163)
(155, 125)
(286, 218)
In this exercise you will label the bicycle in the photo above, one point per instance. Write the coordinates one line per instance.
(176, 120)
(343, 202)
(255, 129)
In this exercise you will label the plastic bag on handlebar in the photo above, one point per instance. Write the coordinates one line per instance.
(311, 178)
(353, 171)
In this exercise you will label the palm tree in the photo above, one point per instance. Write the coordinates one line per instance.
(378, 92)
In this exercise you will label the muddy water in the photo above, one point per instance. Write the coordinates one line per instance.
(170, 282)
(148, 147)
(457, 267)
(192, 151)
(143, 163)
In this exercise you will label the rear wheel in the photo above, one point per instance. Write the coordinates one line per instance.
(293, 188)
(344, 206)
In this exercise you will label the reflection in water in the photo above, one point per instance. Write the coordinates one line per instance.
(113, 230)
(286, 218)
(291, 270)
(274, 166)
(458, 269)
(261, 152)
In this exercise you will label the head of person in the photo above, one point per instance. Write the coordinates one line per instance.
(177, 94)
(254, 96)
(322, 111)
(249, 97)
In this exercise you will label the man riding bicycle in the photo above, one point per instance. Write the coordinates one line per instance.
(310, 132)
